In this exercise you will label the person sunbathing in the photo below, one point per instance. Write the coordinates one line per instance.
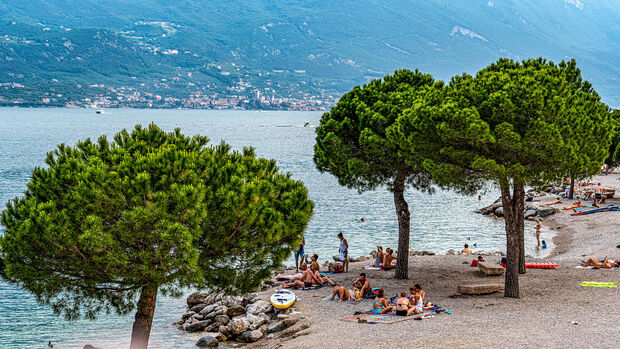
(403, 305)
(380, 305)
(342, 293)
(297, 276)
(307, 280)
(605, 264)
(362, 284)
(558, 201)
(387, 259)
(314, 267)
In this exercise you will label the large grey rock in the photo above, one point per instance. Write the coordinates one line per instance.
(231, 301)
(222, 319)
(238, 326)
(214, 327)
(257, 307)
(529, 213)
(208, 309)
(207, 341)
(499, 212)
(196, 298)
(236, 310)
(220, 310)
(255, 335)
(257, 320)
(187, 315)
(198, 307)
(275, 327)
(546, 211)
(197, 326)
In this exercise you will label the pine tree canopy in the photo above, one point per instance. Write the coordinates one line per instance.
(105, 221)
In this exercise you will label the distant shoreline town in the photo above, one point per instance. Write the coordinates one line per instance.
(102, 96)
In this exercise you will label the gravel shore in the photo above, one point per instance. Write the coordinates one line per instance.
(554, 311)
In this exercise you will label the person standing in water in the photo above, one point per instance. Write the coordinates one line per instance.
(538, 226)
(344, 252)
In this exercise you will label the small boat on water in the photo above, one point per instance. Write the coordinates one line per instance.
(100, 111)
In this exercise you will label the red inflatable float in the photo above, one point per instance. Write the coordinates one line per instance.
(541, 265)
(538, 265)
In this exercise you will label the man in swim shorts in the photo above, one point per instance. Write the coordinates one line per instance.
(387, 259)
(308, 279)
(362, 284)
(598, 195)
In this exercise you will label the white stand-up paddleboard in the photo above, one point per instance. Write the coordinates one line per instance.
(283, 299)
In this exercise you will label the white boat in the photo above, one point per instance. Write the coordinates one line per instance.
(100, 111)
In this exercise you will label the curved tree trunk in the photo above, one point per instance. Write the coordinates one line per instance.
(402, 211)
(144, 318)
(511, 282)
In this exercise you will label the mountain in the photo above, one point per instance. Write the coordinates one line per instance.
(296, 48)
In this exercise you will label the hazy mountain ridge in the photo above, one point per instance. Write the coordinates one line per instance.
(346, 42)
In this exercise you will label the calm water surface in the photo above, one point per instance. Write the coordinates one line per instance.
(439, 222)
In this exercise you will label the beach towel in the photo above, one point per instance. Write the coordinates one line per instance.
(305, 288)
(351, 301)
(326, 273)
(591, 267)
(599, 284)
(390, 318)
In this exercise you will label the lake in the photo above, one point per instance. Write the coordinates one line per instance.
(440, 222)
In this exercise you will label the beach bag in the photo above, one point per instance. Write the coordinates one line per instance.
(335, 268)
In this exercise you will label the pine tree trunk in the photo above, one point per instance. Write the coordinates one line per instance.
(571, 192)
(144, 318)
(511, 281)
(402, 211)
(518, 198)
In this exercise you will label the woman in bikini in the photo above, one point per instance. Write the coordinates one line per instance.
(403, 306)
(342, 293)
(380, 305)
(591, 262)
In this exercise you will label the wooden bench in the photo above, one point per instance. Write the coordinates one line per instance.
(490, 268)
(479, 289)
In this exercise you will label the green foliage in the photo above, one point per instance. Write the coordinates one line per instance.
(613, 159)
(352, 142)
(532, 122)
(106, 219)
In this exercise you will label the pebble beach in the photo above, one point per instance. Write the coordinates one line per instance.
(554, 311)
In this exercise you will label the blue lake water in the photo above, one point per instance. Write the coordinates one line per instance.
(440, 222)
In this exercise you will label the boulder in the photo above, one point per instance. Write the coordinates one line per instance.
(231, 301)
(208, 309)
(238, 326)
(196, 298)
(222, 319)
(336, 258)
(255, 335)
(257, 320)
(197, 326)
(214, 327)
(257, 307)
(197, 317)
(499, 212)
(198, 307)
(224, 330)
(294, 329)
(529, 213)
(187, 315)
(531, 207)
(236, 310)
(275, 327)
(221, 337)
(546, 211)
(207, 341)
(248, 298)
(220, 310)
